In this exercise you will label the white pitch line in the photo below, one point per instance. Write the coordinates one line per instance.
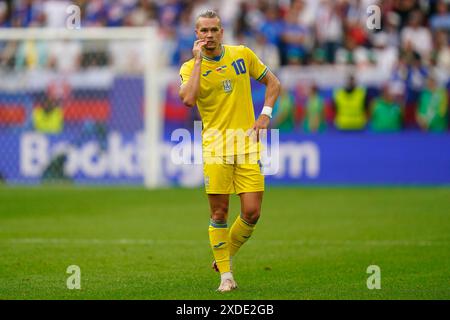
(370, 243)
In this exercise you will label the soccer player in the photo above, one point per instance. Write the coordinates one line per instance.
(217, 80)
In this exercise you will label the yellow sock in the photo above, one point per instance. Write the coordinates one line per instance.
(218, 238)
(240, 231)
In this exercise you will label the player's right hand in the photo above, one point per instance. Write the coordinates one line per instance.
(197, 49)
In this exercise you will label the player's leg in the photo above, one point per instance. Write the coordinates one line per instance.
(251, 206)
(218, 238)
(219, 185)
(218, 230)
(249, 184)
(245, 223)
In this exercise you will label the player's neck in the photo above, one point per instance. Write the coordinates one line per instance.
(214, 55)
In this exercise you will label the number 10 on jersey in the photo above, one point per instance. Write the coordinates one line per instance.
(239, 66)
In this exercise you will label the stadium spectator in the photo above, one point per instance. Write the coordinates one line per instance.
(4, 18)
(385, 55)
(125, 56)
(94, 14)
(168, 13)
(284, 112)
(441, 54)
(48, 117)
(441, 20)
(314, 120)
(242, 26)
(350, 103)
(55, 12)
(417, 37)
(412, 73)
(272, 26)
(385, 112)
(403, 8)
(145, 14)
(7, 53)
(32, 54)
(307, 12)
(432, 109)
(185, 38)
(318, 57)
(390, 28)
(115, 14)
(266, 51)
(65, 56)
(354, 21)
(353, 54)
(25, 13)
(294, 39)
(328, 28)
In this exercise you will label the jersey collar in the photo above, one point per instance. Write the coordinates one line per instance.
(216, 58)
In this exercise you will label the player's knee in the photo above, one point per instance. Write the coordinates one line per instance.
(251, 215)
(220, 214)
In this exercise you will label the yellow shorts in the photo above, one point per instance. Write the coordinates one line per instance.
(225, 176)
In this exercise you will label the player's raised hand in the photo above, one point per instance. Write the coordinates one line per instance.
(262, 123)
(197, 49)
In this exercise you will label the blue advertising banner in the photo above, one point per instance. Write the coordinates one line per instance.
(364, 158)
(331, 159)
(102, 143)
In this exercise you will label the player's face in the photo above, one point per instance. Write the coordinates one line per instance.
(209, 29)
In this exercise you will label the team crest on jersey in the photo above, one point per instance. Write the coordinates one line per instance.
(227, 87)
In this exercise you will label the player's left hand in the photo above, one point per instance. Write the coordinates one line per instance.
(262, 123)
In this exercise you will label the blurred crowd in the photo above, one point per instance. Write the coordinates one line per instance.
(354, 108)
(283, 32)
(411, 46)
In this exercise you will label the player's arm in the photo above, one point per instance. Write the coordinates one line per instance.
(189, 90)
(273, 88)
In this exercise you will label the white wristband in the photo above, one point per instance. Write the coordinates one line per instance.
(267, 111)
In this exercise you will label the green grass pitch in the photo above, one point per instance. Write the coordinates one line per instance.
(310, 243)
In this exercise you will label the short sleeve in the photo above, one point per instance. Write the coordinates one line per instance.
(258, 69)
(185, 73)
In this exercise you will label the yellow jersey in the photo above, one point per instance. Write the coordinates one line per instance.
(224, 100)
